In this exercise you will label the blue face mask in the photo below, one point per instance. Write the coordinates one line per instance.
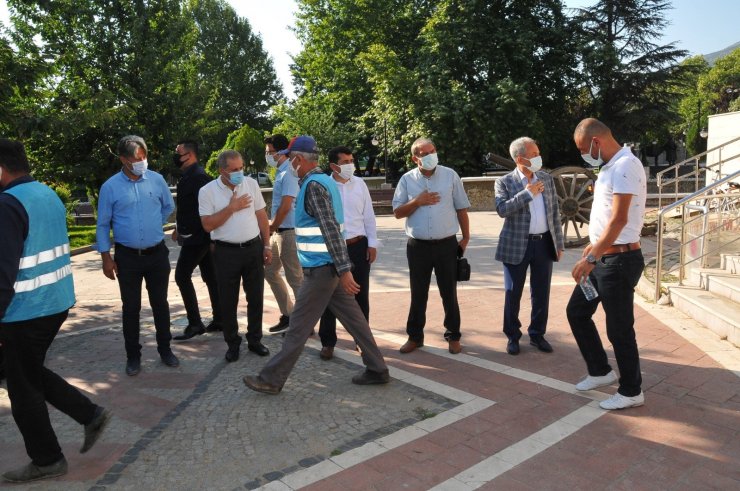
(593, 162)
(429, 162)
(236, 178)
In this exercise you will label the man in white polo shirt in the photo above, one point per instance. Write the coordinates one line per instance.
(232, 209)
(360, 235)
(613, 262)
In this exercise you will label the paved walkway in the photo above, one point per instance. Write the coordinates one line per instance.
(478, 420)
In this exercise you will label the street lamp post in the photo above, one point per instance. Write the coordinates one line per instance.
(375, 142)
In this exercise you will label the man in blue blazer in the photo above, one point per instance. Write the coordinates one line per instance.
(531, 238)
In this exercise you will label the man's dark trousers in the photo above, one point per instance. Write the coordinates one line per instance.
(154, 269)
(615, 277)
(190, 257)
(31, 385)
(235, 266)
(538, 259)
(440, 256)
(361, 274)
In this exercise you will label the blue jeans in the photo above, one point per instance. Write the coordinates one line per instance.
(615, 277)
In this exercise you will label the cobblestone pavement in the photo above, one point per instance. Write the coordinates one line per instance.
(478, 420)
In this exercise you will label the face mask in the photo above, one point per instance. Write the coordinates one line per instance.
(139, 168)
(593, 162)
(236, 177)
(270, 160)
(347, 171)
(429, 162)
(176, 162)
(535, 163)
(293, 170)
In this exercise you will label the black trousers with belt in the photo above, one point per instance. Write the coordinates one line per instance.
(190, 257)
(31, 385)
(245, 266)
(154, 269)
(361, 274)
(440, 256)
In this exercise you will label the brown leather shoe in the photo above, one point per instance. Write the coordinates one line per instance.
(327, 353)
(259, 385)
(455, 347)
(410, 346)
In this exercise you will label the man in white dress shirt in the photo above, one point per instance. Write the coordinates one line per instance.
(232, 209)
(361, 238)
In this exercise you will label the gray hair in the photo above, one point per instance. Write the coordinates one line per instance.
(310, 156)
(419, 142)
(518, 147)
(223, 158)
(128, 145)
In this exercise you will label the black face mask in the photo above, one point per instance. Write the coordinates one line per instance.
(176, 162)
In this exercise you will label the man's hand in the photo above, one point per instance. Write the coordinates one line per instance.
(348, 283)
(268, 256)
(535, 187)
(463, 243)
(273, 228)
(110, 269)
(587, 250)
(427, 198)
(237, 203)
(174, 235)
(560, 254)
(581, 269)
(372, 253)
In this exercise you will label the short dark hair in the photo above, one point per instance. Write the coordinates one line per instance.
(189, 145)
(278, 142)
(13, 156)
(334, 153)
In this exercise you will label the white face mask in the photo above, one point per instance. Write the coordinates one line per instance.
(347, 170)
(593, 162)
(429, 162)
(139, 168)
(293, 170)
(270, 160)
(535, 163)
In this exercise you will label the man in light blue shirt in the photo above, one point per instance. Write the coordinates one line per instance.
(136, 202)
(282, 231)
(434, 203)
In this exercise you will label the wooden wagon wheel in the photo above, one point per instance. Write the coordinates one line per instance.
(575, 188)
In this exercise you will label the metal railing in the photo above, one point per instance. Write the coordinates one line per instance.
(707, 200)
(696, 172)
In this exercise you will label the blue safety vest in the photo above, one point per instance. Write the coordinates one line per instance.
(312, 250)
(44, 283)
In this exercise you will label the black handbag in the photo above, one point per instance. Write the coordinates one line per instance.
(463, 268)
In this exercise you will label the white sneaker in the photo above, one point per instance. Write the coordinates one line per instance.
(618, 401)
(591, 383)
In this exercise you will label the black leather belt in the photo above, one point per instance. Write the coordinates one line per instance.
(140, 252)
(435, 241)
(539, 236)
(238, 244)
(284, 229)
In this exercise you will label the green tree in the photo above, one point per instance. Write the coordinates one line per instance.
(632, 82)
(246, 141)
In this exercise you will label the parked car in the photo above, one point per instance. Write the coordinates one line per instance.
(263, 178)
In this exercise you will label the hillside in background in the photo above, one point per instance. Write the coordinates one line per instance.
(711, 57)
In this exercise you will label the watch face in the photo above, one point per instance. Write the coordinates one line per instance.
(591, 259)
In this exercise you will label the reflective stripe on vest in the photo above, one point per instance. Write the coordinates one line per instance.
(43, 280)
(44, 257)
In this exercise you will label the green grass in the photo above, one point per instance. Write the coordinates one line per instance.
(81, 235)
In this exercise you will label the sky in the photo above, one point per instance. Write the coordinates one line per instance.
(699, 26)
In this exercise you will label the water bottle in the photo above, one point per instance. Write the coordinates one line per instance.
(589, 290)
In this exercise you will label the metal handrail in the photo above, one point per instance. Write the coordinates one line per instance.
(697, 170)
(706, 192)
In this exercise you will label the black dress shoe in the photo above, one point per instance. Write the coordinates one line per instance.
(190, 332)
(512, 347)
(282, 324)
(169, 359)
(258, 348)
(95, 428)
(368, 377)
(133, 366)
(232, 354)
(259, 385)
(214, 326)
(541, 343)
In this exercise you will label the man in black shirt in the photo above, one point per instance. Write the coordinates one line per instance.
(194, 241)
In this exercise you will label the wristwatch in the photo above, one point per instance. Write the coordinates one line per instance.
(590, 259)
